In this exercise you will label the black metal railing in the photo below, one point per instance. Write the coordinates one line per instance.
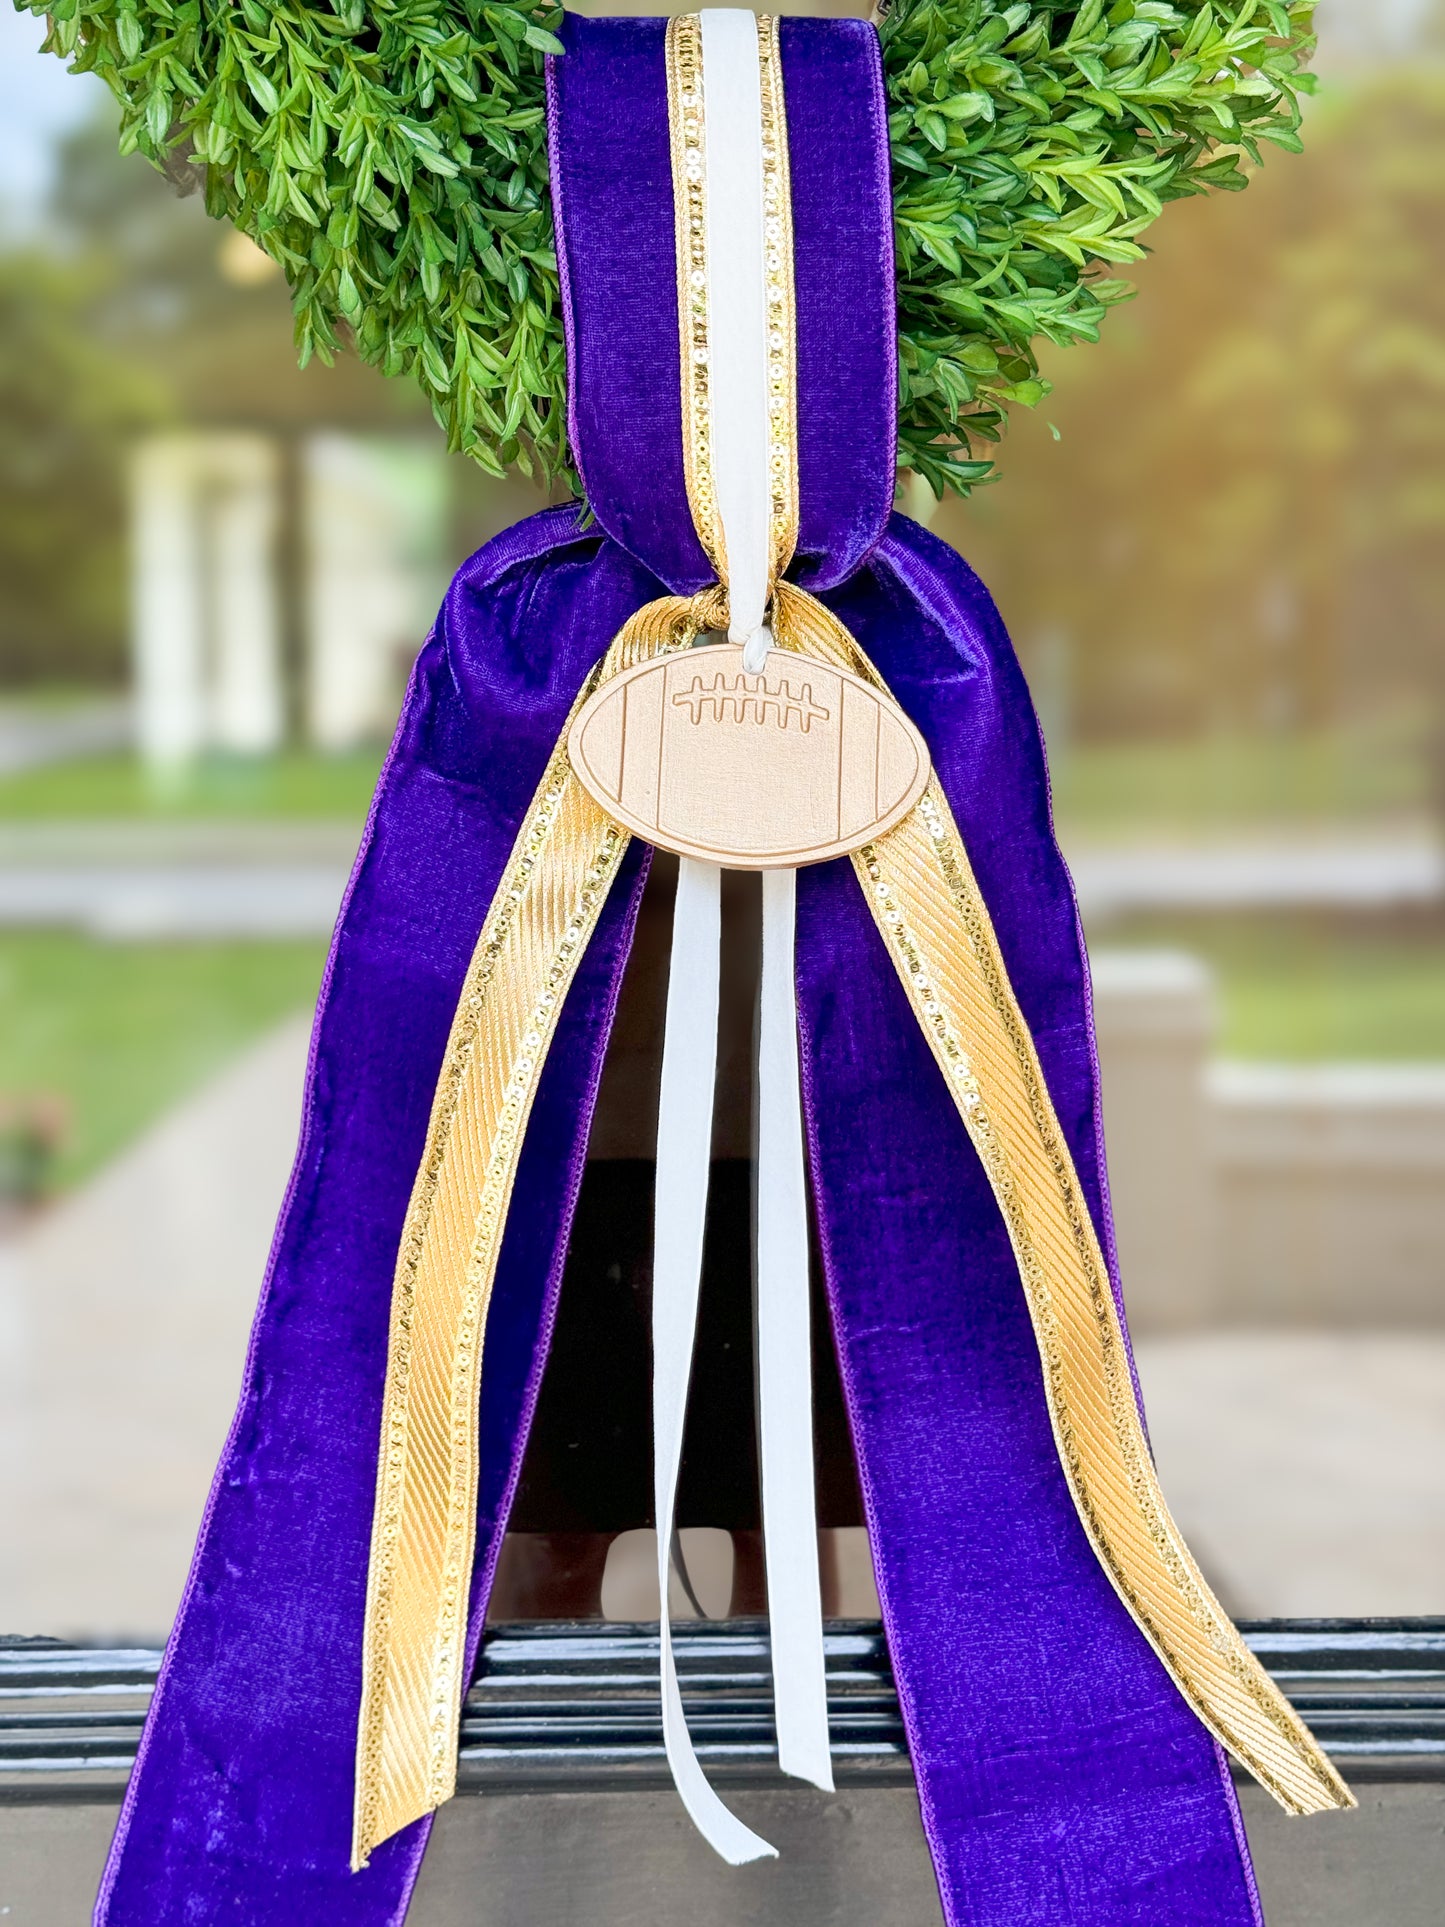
(576, 1704)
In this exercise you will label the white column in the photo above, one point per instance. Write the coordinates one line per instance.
(167, 602)
(373, 515)
(205, 602)
(247, 706)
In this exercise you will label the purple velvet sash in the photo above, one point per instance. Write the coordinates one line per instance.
(1063, 1781)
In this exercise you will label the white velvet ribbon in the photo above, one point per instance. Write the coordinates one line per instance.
(737, 345)
(785, 1365)
(737, 313)
(737, 309)
(684, 1150)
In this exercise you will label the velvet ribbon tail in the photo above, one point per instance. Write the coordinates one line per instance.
(240, 1803)
(542, 916)
(920, 889)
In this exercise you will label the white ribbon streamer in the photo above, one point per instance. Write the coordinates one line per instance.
(738, 346)
(785, 1370)
(737, 310)
(684, 1148)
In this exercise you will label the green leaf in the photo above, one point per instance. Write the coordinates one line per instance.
(979, 356)
(934, 129)
(260, 84)
(544, 42)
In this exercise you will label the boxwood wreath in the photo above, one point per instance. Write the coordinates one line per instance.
(393, 159)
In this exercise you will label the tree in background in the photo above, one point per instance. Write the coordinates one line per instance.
(69, 405)
(132, 310)
(197, 304)
(1257, 538)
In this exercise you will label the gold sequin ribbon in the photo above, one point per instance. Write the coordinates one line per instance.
(931, 916)
(423, 1538)
(687, 122)
(920, 887)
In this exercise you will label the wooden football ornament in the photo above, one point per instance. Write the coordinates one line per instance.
(793, 765)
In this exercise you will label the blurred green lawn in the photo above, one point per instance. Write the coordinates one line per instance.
(1369, 774)
(1309, 987)
(296, 784)
(120, 1031)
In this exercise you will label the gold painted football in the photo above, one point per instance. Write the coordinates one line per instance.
(795, 764)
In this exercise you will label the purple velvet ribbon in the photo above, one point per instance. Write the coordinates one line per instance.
(1062, 1780)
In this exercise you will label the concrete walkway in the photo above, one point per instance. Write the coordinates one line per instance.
(1261, 872)
(147, 902)
(192, 878)
(124, 1316)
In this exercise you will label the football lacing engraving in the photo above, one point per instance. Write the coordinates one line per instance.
(750, 698)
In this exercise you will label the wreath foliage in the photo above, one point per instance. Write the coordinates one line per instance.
(391, 155)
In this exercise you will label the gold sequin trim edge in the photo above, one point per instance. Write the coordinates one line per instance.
(923, 896)
(423, 1539)
(687, 126)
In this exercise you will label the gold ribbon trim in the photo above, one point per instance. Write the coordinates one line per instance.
(922, 894)
(687, 124)
(424, 1531)
(920, 888)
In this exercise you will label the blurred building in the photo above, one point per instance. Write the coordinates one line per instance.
(374, 567)
(279, 586)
